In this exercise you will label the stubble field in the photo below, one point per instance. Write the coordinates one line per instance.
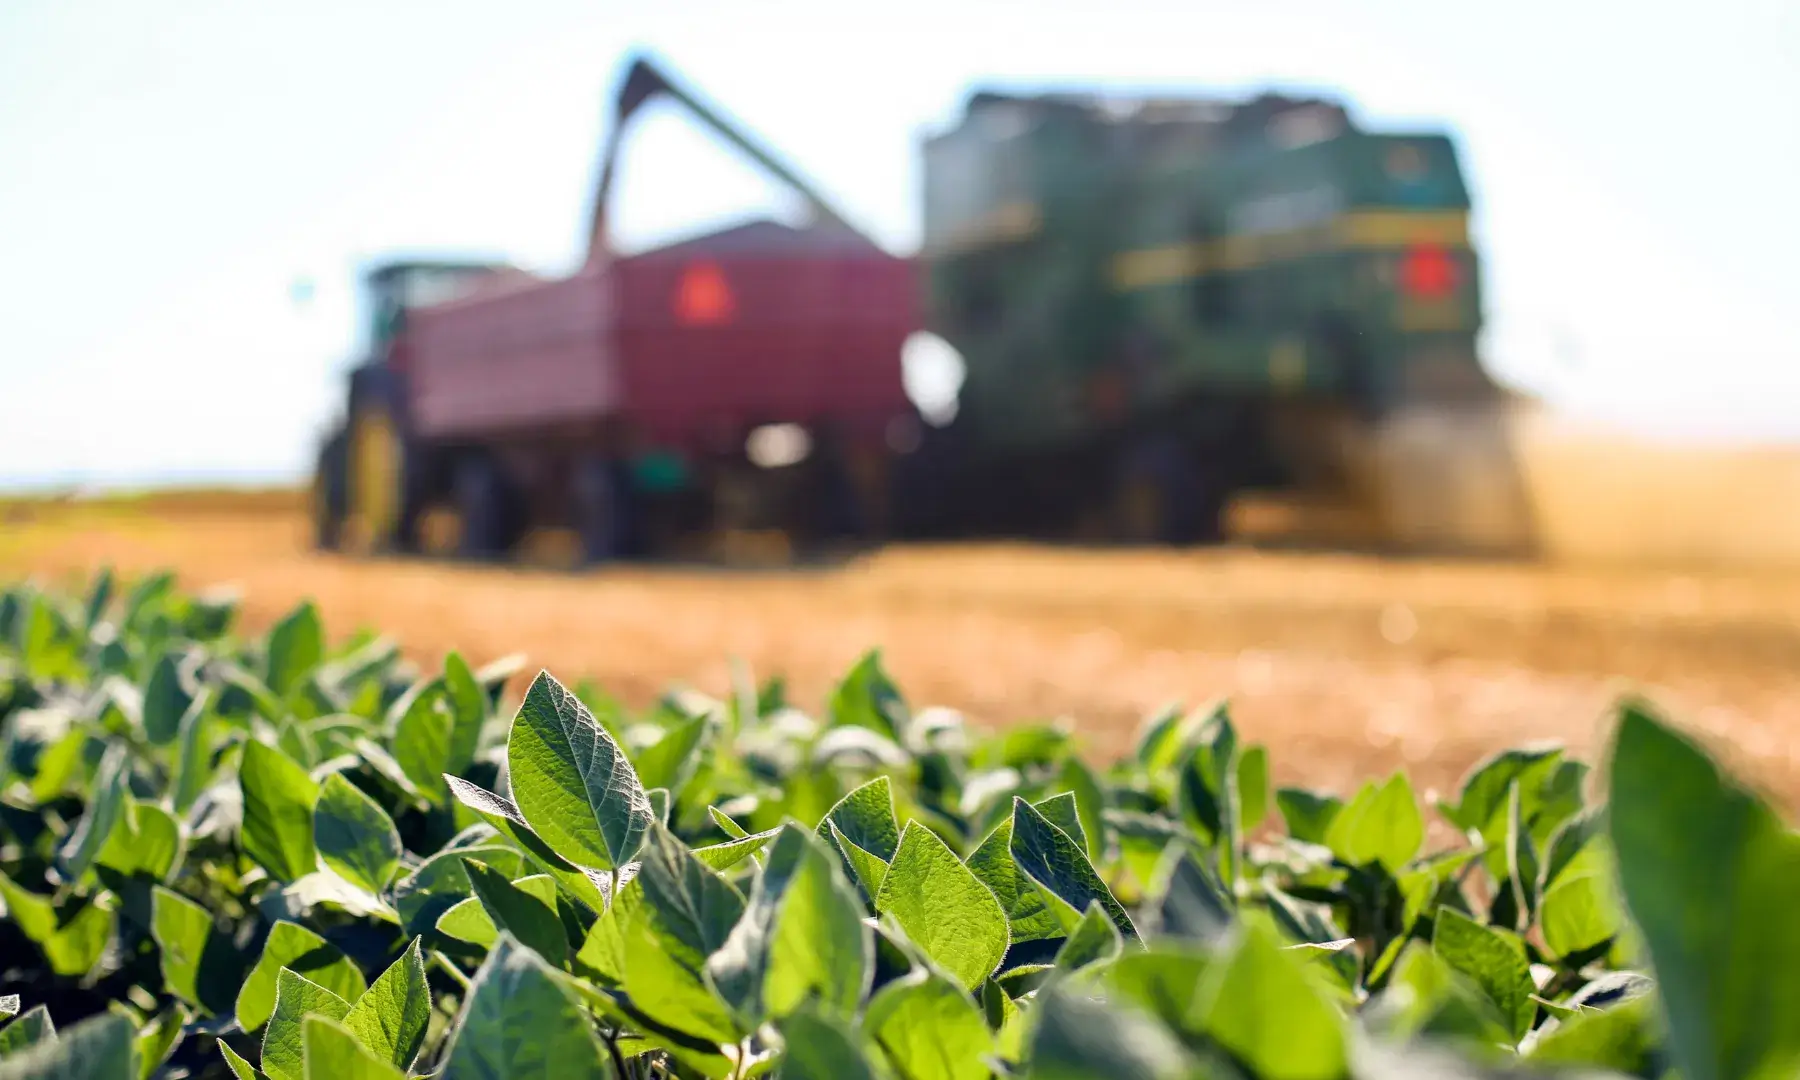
(1345, 665)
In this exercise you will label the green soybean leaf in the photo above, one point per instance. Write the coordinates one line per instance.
(660, 984)
(422, 740)
(330, 1051)
(57, 765)
(1625, 1038)
(102, 1047)
(1381, 825)
(505, 817)
(468, 921)
(1208, 791)
(354, 835)
(816, 1047)
(193, 766)
(944, 907)
(1578, 914)
(1051, 859)
(929, 1029)
(279, 798)
(1090, 805)
(147, 841)
(1481, 805)
(96, 825)
(1708, 873)
(166, 700)
(1253, 786)
(283, 1044)
(296, 646)
(293, 946)
(866, 818)
(1494, 960)
(34, 1026)
(72, 939)
(573, 783)
(688, 905)
(198, 965)
(520, 1023)
(157, 1041)
(726, 825)
(671, 760)
(1259, 1002)
(868, 698)
(1027, 908)
(1094, 939)
(801, 936)
(468, 710)
(391, 1016)
(99, 597)
(1076, 1038)
(722, 857)
(234, 1061)
(866, 868)
(1308, 814)
(529, 919)
(441, 882)
(1061, 811)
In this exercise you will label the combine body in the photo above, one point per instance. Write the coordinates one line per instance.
(1179, 319)
(1167, 305)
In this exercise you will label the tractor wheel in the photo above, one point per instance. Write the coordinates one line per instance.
(328, 493)
(481, 503)
(377, 479)
(603, 510)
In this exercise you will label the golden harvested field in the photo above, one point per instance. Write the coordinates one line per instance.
(1344, 665)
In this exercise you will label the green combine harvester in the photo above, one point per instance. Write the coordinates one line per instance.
(1179, 320)
(1182, 319)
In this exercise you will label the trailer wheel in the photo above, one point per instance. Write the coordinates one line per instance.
(481, 502)
(602, 510)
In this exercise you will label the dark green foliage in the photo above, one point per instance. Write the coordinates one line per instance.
(275, 857)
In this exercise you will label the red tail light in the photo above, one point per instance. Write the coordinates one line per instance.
(1428, 271)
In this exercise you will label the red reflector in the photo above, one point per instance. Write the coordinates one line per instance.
(1428, 270)
(703, 298)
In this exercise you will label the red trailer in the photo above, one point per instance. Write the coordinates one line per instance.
(749, 377)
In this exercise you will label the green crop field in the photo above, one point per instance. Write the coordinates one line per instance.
(290, 857)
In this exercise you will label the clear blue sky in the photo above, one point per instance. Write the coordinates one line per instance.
(169, 169)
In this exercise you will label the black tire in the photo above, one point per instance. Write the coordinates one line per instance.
(1188, 492)
(603, 510)
(481, 502)
(331, 492)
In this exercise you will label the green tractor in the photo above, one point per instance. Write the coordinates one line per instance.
(1175, 313)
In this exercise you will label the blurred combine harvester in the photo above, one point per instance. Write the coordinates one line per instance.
(1178, 319)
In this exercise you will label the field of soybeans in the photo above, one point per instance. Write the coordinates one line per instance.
(1351, 665)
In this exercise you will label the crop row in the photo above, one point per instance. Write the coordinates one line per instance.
(227, 855)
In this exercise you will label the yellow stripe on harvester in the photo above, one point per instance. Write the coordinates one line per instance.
(1362, 229)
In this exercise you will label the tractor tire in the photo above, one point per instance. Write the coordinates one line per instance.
(603, 510)
(329, 493)
(483, 506)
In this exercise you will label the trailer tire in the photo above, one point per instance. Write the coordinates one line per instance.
(603, 510)
(481, 502)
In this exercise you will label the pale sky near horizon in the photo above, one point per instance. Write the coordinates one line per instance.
(168, 171)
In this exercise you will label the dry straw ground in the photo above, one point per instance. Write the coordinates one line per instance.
(1344, 664)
